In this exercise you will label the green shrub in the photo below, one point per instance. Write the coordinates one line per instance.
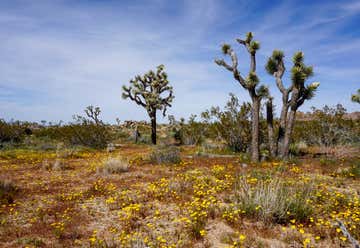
(231, 125)
(190, 133)
(13, 132)
(87, 131)
(327, 127)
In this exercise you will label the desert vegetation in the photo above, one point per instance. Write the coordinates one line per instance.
(237, 176)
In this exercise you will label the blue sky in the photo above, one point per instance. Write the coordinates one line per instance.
(57, 57)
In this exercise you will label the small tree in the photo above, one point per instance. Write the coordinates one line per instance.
(87, 130)
(356, 97)
(292, 97)
(250, 83)
(147, 91)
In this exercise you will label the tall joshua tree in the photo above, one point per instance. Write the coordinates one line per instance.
(147, 91)
(356, 97)
(250, 83)
(292, 97)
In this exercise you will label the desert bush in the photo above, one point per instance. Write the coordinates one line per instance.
(14, 131)
(191, 133)
(114, 166)
(87, 131)
(8, 191)
(231, 124)
(327, 127)
(273, 200)
(165, 155)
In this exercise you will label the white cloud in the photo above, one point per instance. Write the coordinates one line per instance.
(69, 57)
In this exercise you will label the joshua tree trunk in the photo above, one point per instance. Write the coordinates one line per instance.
(288, 132)
(153, 127)
(255, 130)
(136, 134)
(270, 127)
(282, 126)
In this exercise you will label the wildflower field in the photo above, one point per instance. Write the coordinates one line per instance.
(198, 202)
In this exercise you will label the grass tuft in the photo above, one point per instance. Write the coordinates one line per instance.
(273, 200)
(165, 155)
(116, 165)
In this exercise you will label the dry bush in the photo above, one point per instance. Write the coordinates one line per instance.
(274, 200)
(59, 164)
(7, 191)
(114, 166)
(165, 155)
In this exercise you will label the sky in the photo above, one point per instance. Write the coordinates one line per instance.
(57, 57)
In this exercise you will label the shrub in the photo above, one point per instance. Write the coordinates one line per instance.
(7, 191)
(273, 200)
(190, 133)
(165, 155)
(327, 127)
(13, 132)
(115, 166)
(231, 124)
(86, 131)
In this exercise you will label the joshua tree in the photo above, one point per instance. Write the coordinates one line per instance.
(356, 97)
(250, 83)
(147, 91)
(292, 97)
(93, 113)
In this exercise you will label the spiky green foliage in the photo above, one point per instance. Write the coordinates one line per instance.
(147, 90)
(309, 90)
(263, 91)
(298, 58)
(254, 46)
(274, 61)
(225, 48)
(249, 37)
(252, 80)
(356, 97)
(299, 74)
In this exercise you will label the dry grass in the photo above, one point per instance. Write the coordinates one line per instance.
(165, 155)
(116, 165)
(273, 200)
